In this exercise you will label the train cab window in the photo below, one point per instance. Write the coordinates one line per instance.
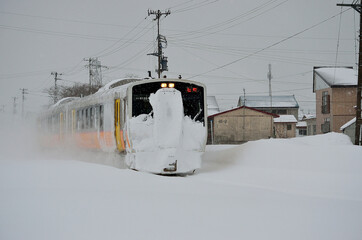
(192, 97)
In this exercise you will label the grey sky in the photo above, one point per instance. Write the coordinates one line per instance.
(40, 36)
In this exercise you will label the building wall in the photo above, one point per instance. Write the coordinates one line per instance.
(320, 117)
(342, 106)
(241, 125)
(281, 130)
(342, 102)
(311, 126)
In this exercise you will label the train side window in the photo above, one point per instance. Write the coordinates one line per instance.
(78, 120)
(101, 117)
(86, 118)
(96, 117)
(91, 117)
(83, 119)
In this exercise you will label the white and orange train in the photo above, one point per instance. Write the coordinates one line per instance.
(158, 124)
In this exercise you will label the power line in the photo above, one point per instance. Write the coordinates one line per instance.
(195, 6)
(270, 46)
(61, 19)
(106, 51)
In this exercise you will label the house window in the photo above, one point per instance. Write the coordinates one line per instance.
(325, 102)
(302, 132)
(289, 126)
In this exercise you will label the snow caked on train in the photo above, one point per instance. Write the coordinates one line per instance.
(159, 125)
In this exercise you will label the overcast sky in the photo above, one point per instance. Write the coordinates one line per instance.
(226, 44)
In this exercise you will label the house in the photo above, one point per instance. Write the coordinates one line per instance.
(281, 105)
(301, 129)
(240, 125)
(285, 126)
(336, 96)
(311, 124)
(212, 105)
(349, 128)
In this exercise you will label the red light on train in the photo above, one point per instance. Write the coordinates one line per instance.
(190, 90)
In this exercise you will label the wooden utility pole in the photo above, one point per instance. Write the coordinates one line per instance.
(160, 38)
(23, 92)
(269, 75)
(358, 6)
(14, 105)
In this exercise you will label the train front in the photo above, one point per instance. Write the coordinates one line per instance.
(166, 126)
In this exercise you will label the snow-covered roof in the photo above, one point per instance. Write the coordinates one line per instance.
(308, 116)
(347, 124)
(285, 119)
(302, 124)
(212, 103)
(116, 83)
(237, 108)
(63, 101)
(264, 101)
(212, 106)
(340, 76)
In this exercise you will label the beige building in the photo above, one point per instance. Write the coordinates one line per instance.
(285, 126)
(336, 96)
(311, 124)
(240, 125)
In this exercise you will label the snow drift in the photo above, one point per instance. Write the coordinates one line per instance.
(305, 188)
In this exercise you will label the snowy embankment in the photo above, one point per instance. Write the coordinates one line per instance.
(306, 188)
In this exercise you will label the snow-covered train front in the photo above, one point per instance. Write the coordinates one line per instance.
(160, 124)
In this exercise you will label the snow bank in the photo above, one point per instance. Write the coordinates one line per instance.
(305, 188)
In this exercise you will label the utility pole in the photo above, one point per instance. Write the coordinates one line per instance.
(244, 97)
(358, 7)
(23, 91)
(269, 75)
(14, 105)
(55, 85)
(162, 61)
(95, 71)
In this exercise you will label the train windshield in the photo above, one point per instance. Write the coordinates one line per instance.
(192, 97)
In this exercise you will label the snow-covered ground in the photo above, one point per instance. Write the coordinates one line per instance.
(303, 188)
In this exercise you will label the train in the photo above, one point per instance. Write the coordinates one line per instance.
(156, 125)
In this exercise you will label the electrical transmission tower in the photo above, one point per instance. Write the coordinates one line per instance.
(56, 74)
(358, 7)
(161, 42)
(23, 92)
(95, 71)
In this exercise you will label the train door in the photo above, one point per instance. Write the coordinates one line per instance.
(117, 125)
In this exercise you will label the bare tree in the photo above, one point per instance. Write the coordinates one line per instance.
(77, 90)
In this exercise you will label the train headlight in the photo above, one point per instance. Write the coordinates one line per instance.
(171, 85)
(163, 85)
